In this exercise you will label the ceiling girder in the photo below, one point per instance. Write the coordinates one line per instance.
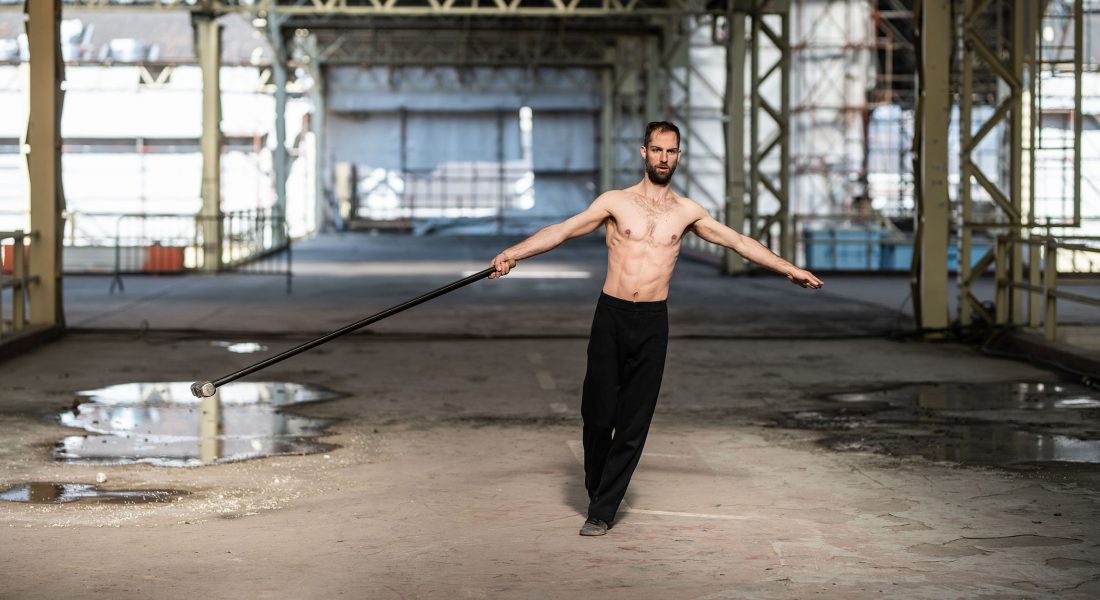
(472, 8)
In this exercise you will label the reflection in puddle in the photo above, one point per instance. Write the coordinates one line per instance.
(240, 347)
(1006, 444)
(61, 493)
(163, 424)
(987, 396)
(1015, 425)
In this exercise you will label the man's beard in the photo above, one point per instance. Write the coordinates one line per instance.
(656, 177)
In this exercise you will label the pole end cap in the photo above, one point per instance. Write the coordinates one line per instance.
(203, 389)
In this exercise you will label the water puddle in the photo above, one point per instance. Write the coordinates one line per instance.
(1020, 425)
(164, 425)
(240, 347)
(975, 397)
(63, 493)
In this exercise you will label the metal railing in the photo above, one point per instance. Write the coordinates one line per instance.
(471, 191)
(844, 242)
(248, 242)
(15, 281)
(1044, 256)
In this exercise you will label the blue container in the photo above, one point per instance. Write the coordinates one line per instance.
(899, 256)
(843, 249)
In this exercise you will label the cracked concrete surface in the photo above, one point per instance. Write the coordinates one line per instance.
(457, 473)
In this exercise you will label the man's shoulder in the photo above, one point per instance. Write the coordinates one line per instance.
(688, 203)
(617, 197)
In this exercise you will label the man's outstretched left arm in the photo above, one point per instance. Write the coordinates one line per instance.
(711, 230)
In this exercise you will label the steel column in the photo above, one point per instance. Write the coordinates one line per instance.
(786, 239)
(317, 123)
(209, 50)
(1078, 115)
(607, 116)
(1018, 57)
(653, 93)
(934, 203)
(320, 168)
(43, 159)
(734, 113)
(279, 157)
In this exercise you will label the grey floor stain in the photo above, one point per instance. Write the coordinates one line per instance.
(1071, 563)
(1022, 541)
(953, 549)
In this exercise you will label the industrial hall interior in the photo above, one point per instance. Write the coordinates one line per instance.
(550, 299)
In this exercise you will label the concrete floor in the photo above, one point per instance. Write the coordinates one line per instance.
(457, 472)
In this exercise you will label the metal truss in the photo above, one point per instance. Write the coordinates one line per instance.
(633, 86)
(458, 47)
(468, 8)
(696, 99)
(768, 213)
(894, 38)
(1060, 55)
(711, 111)
(1005, 59)
(831, 49)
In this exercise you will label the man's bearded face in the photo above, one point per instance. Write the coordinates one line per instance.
(661, 156)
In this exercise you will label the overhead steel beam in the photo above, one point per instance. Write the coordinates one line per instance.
(494, 8)
(421, 47)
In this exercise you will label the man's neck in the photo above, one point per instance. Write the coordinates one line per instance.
(654, 191)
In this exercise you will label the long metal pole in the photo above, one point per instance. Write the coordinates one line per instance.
(205, 389)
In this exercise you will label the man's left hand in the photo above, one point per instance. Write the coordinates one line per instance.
(804, 278)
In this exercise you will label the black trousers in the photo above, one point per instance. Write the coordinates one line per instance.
(626, 360)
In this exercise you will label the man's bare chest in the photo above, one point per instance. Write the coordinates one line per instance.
(655, 225)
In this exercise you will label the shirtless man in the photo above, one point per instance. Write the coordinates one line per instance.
(626, 350)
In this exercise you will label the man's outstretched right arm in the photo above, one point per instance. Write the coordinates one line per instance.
(552, 236)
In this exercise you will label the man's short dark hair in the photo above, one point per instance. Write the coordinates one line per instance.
(660, 127)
